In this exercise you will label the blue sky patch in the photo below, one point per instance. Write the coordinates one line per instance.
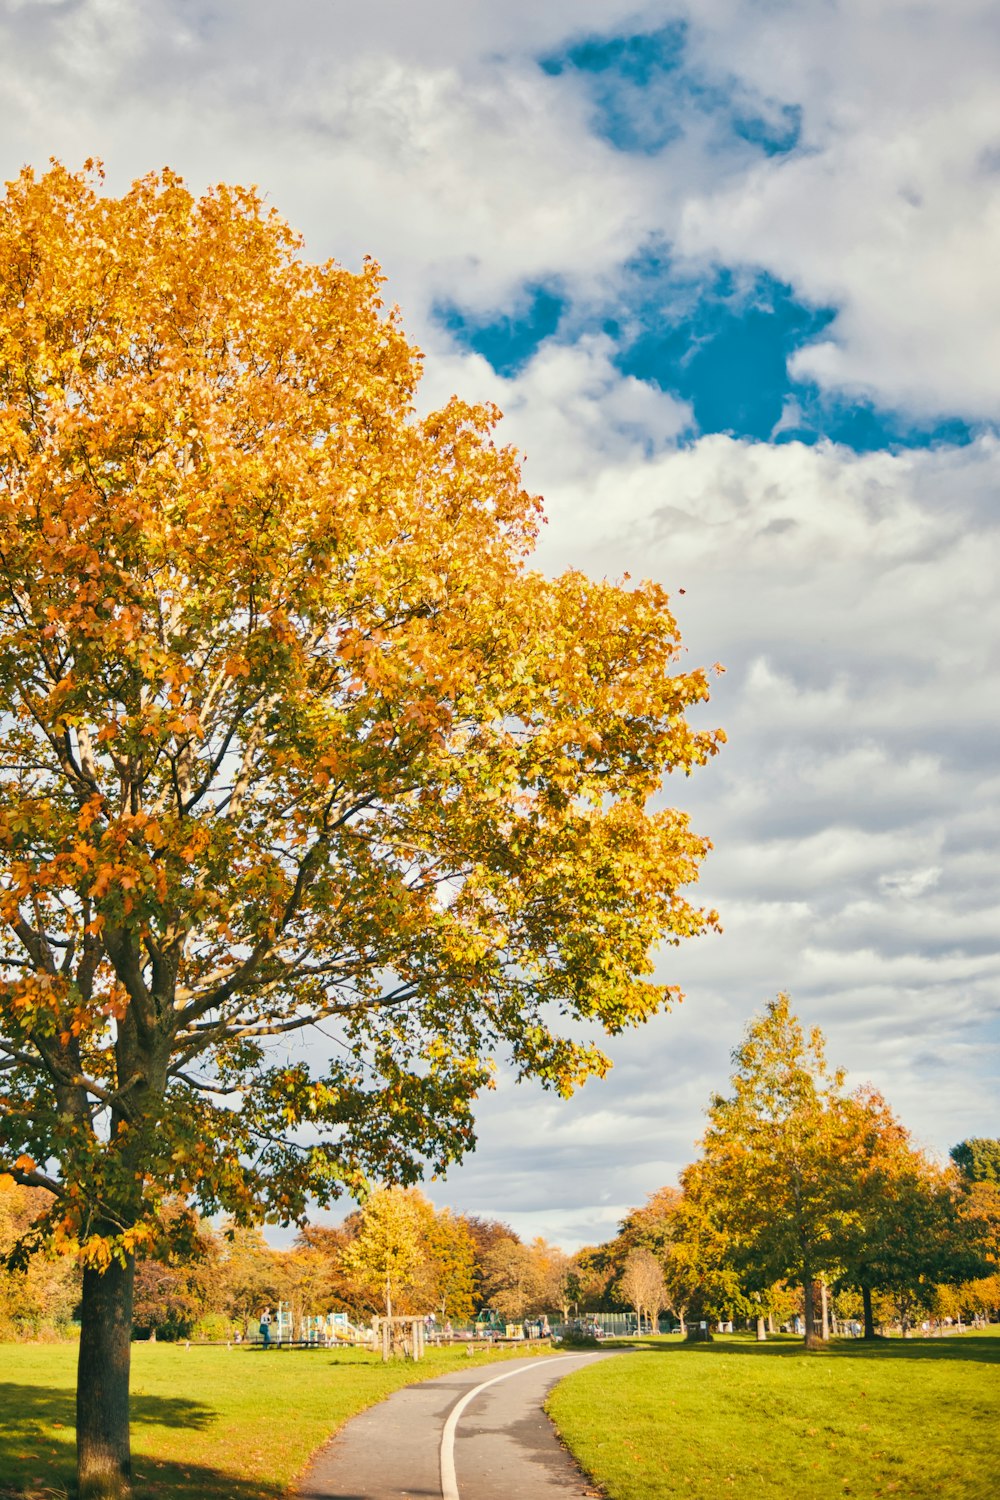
(728, 351)
(507, 342)
(641, 93)
(634, 99)
(639, 59)
(721, 343)
(776, 132)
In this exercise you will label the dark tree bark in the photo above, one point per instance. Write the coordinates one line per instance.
(104, 1460)
(866, 1302)
(814, 1333)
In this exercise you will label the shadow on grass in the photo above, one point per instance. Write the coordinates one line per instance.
(38, 1449)
(963, 1348)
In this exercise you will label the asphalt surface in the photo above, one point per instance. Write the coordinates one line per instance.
(498, 1445)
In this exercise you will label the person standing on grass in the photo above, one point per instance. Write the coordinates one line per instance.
(265, 1327)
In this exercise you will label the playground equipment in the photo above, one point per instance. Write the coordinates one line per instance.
(491, 1325)
(313, 1330)
(329, 1329)
(282, 1329)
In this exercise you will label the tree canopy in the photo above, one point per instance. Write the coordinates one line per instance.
(775, 1180)
(291, 734)
(978, 1159)
(293, 737)
(801, 1181)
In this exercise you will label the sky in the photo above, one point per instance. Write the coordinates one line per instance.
(730, 270)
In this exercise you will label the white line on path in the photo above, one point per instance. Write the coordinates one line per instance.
(449, 1480)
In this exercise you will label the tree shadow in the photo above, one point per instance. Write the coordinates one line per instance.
(962, 1348)
(959, 1347)
(38, 1449)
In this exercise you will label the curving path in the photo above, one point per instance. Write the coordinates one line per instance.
(476, 1434)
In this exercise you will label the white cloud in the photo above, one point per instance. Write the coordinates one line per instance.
(891, 209)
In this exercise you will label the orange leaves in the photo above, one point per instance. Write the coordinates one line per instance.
(116, 1005)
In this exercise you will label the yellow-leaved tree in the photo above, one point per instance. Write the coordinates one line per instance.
(292, 735)
(773, 1196)
(386, 1256)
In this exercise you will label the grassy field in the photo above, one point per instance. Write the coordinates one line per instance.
(207, 1423)
(737, 1419)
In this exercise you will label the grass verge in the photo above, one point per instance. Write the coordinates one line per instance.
(915, 1418)
(207, 1423)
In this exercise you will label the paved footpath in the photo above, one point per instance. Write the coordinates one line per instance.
(476, 1434)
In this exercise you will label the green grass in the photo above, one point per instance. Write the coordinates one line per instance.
(737, 1419)
(207, 1423)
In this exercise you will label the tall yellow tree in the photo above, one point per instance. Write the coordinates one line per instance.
(292, 735)
(451, 1264)
(776, 1183)
(386, 1256)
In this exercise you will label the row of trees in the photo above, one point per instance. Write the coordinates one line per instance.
(38, 1294)
(801, 1187)
(397, 1254)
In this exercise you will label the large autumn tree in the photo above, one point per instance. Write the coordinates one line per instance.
(293, 741)
(777, 1179)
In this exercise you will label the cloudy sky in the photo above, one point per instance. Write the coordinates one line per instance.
(731, 270)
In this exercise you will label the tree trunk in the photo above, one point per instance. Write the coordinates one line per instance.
(683, 1324)
(826, 1311)
(770, 1322)
(866, 1302)
(814, 1338)
(761, 1331)
(104, 1460)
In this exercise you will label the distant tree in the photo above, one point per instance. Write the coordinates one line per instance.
(779, 1156)
(663, 1225)
(485, 1234)
(553, 1268)
(894, 1239)
(978, 1159)
(38, 1291)
(707, 1272)
(334, 1290)
(978, 1209)
(250, 1276)
(525, 1280)
(587, 1279)
(167, 1305)
(641, 1286)
(512, 1283)
(450, 1260)
(179, 1278)
(979, 1297)
(385, 1257)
